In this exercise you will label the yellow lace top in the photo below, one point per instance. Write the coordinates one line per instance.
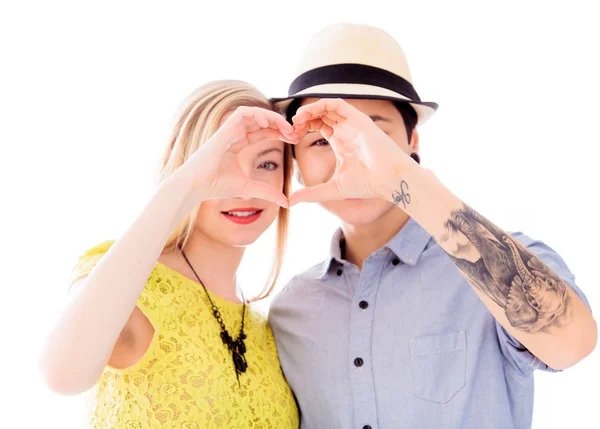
(186, 379)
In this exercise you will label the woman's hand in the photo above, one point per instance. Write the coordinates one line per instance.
(213, 171)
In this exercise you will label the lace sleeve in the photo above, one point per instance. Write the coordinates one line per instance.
(148, 301)
(88, 261)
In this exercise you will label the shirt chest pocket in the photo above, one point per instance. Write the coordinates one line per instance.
(438, 365)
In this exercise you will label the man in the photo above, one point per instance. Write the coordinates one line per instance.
(387, 333)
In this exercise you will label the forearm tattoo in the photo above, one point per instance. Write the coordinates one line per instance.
(401, 195)
(533, 297)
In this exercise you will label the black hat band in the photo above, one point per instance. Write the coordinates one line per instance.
(353, 74)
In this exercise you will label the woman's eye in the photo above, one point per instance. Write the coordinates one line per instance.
(269, 165)
(320, 142)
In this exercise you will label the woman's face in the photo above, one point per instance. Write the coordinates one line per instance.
(240, 221)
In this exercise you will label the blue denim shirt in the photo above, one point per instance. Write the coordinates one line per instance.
(404, 343)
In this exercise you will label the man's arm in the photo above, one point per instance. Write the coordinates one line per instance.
(527, 298)
(532, 302)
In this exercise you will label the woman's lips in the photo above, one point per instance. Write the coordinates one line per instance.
(243, 216)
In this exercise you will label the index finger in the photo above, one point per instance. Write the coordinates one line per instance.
(250, 117)
(277, 121)
(334, 109)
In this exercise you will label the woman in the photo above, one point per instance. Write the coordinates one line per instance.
(157, 330)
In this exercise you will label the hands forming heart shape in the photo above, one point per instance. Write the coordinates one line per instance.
(368, 161)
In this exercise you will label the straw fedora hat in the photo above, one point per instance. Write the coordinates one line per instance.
(355, 61)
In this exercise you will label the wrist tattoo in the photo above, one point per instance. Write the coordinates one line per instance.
(401, 195)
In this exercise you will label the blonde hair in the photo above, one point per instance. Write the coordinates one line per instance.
(197, 121)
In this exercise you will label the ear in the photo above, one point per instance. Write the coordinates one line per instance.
(414, 141)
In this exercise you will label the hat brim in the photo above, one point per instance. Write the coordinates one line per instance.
(424, 109)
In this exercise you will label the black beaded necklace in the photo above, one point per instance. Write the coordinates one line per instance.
(236, 347)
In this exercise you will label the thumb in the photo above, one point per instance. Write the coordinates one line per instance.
(324, 192)
(265, 192)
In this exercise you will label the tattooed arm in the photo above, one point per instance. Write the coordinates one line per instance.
(526, 297)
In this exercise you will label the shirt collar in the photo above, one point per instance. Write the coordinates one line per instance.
(408, 245)
(335, 253)
(410, 242)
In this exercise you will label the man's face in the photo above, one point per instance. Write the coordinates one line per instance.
(317, 162)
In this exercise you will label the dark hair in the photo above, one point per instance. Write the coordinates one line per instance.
(409, 116)
(292, 109)
(408, 113)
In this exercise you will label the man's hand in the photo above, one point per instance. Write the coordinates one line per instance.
(369, 162)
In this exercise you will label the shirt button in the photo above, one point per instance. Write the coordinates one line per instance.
(363, 304)
(339, 272)
(358, 362)
(396, 261)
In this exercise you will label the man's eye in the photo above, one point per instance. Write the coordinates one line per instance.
(320, 142)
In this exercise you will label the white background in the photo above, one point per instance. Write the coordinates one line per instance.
(87, 93)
